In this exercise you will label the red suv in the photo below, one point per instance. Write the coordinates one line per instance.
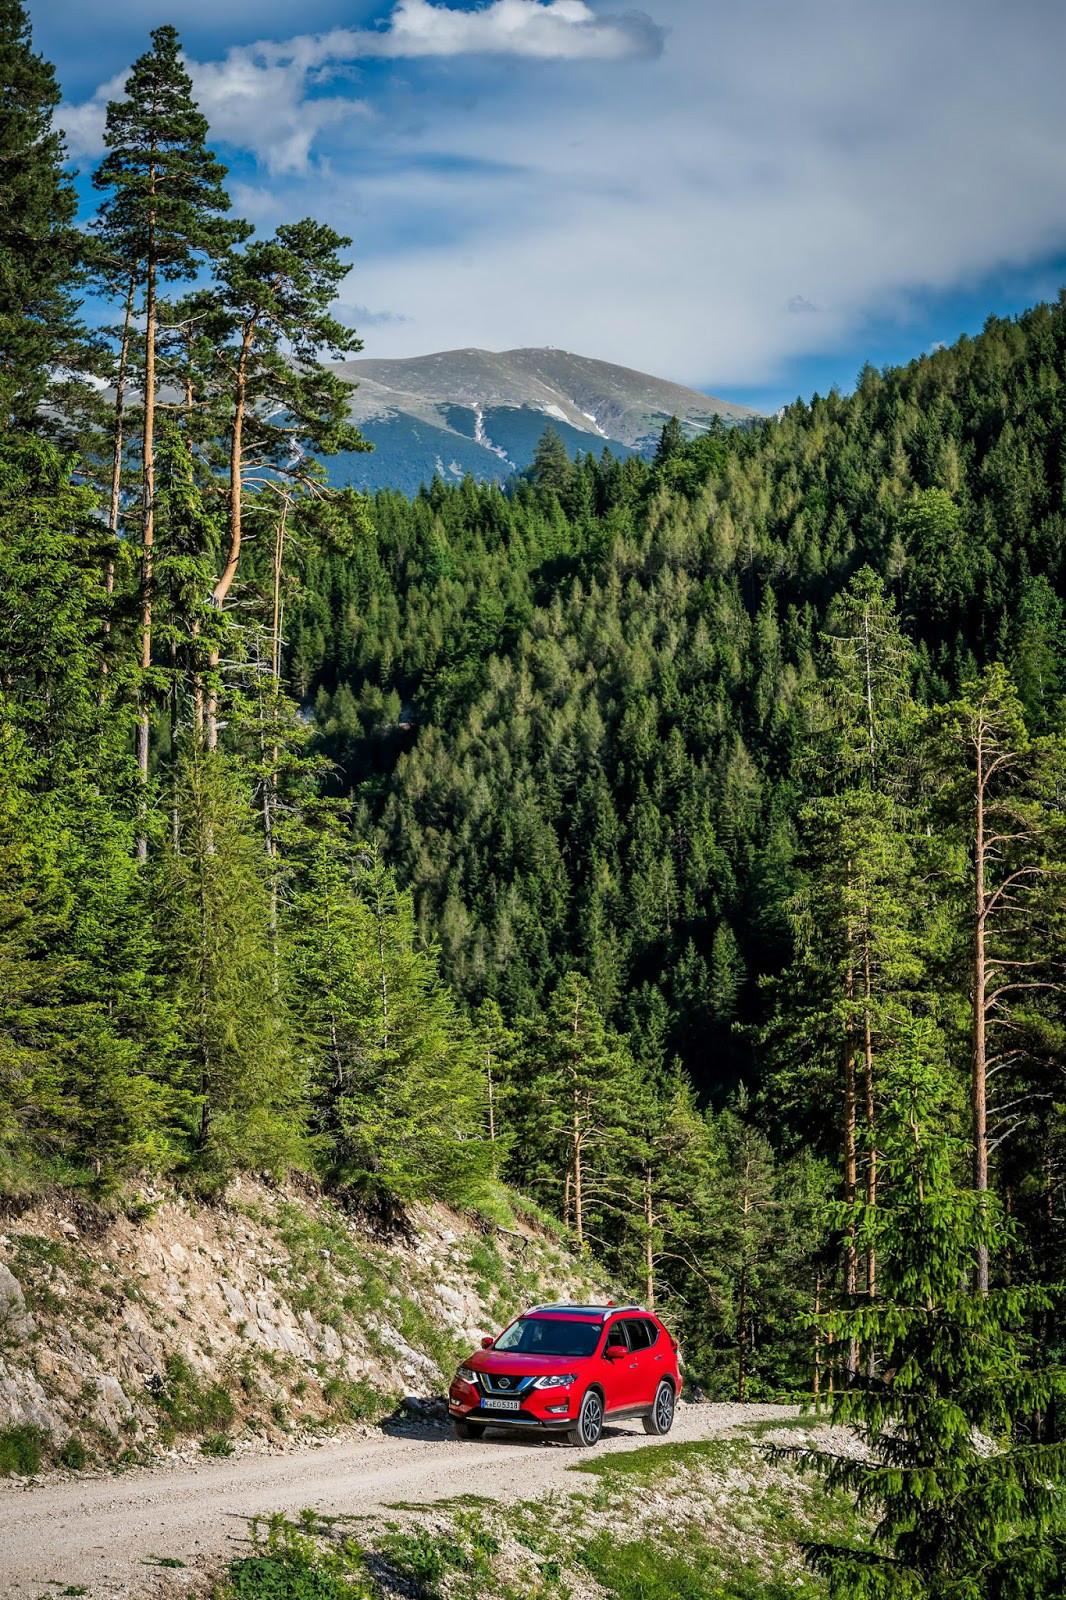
(568, 1369)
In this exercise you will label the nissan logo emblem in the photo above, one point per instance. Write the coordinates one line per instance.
(505, 1383)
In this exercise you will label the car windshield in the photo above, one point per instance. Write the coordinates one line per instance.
(550, 1336)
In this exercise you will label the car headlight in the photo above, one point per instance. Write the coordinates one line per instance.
(467, 1374)
(561, 1380)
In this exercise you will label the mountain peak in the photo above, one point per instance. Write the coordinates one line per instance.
(482, 411)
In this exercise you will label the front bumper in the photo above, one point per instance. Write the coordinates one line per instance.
(541, 1408)
(511, 1419)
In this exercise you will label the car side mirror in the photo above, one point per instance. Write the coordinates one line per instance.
(487, 1342)
(615, 1352)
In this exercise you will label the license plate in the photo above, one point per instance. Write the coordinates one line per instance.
(502, 1405)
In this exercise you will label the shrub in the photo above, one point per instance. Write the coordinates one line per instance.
(189, 1405)
(216, 1444)
(21, 1451)
(73, 1454)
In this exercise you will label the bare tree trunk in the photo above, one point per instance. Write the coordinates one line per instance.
(229, 571)
(649, 1243)
(979, 1101)
(742, 1336)
(816, 1340)
(851, 1264)
(579, 1219)
(868, 1095)
(148, 527)
(115, 501)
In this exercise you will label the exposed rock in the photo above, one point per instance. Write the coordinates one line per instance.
(15, 1321)
(250, 1299)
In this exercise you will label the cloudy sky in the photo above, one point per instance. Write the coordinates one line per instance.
(751, 196)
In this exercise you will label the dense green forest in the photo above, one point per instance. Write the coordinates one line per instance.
(679, 844)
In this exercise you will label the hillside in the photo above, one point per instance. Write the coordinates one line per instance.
(131, 1332)
(482, 412)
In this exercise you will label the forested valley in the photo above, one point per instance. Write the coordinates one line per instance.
(678, 844)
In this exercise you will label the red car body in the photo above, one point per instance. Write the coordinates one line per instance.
(567, 1369)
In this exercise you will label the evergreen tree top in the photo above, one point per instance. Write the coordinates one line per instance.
(167, 185)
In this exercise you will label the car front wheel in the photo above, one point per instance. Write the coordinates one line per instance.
(467, 1430)
(660, 1418)
(589, 1421)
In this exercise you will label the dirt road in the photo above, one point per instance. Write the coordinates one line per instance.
(108, 1534)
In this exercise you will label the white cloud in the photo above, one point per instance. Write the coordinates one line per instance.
(557, 30)
(677, 215)
(264, 97)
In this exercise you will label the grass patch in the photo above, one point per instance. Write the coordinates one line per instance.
(21, 1451)
(356, 1399)
(425, 1560)
(189, 1405)
(641, 1569)
(290, 1565)
(73, 1454)
(663, 1460)
(216, 1444)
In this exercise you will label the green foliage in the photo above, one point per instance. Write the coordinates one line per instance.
(190, 1405)
(40, 250)
(216, 1444)
(400, 1095)
(969, 1501)
(21, 1450)
(73, 1454)
(213, 904)
(639, 1569)
(165, 186)
(290, 1565)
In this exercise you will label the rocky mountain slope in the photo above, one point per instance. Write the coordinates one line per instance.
(482, 412)
(271, 1316)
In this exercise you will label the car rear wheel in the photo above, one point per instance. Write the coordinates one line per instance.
(467, 1430)
(589, 1421)
(660, 1418)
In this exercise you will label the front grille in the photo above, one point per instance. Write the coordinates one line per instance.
(504, 1383)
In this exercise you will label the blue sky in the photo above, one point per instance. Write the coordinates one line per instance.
(751, 198)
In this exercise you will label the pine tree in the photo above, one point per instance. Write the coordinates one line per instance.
(958, 1514)
(241, 1072)
(41, 252)
(269, 314)
(1002, 793)
(399, 1099)
(162, 217)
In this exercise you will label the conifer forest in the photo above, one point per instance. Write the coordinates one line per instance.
(679, 844)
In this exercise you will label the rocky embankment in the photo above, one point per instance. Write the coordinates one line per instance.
(267, 1318)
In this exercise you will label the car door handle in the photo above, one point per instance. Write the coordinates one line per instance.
(658, 1358)
(633, 1364)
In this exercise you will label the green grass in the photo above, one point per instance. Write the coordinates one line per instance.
(188, 1405)
(356, 1399)
(663, 1460)
(640, 1569)
(289, 1564)
(21, 1451)
(216, 1444)
(73, 1454)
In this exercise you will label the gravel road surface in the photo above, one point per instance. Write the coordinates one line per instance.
(108, 1533)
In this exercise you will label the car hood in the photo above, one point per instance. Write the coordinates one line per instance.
(517, 1364)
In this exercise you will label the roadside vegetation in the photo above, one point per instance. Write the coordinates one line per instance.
(714, 1521)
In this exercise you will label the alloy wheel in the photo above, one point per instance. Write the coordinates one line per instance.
(591, 1418)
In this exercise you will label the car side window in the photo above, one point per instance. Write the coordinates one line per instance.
(652, 1330)
(637, 1329)
(616, 1334)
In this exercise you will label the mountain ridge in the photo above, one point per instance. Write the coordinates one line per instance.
(470, 410)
